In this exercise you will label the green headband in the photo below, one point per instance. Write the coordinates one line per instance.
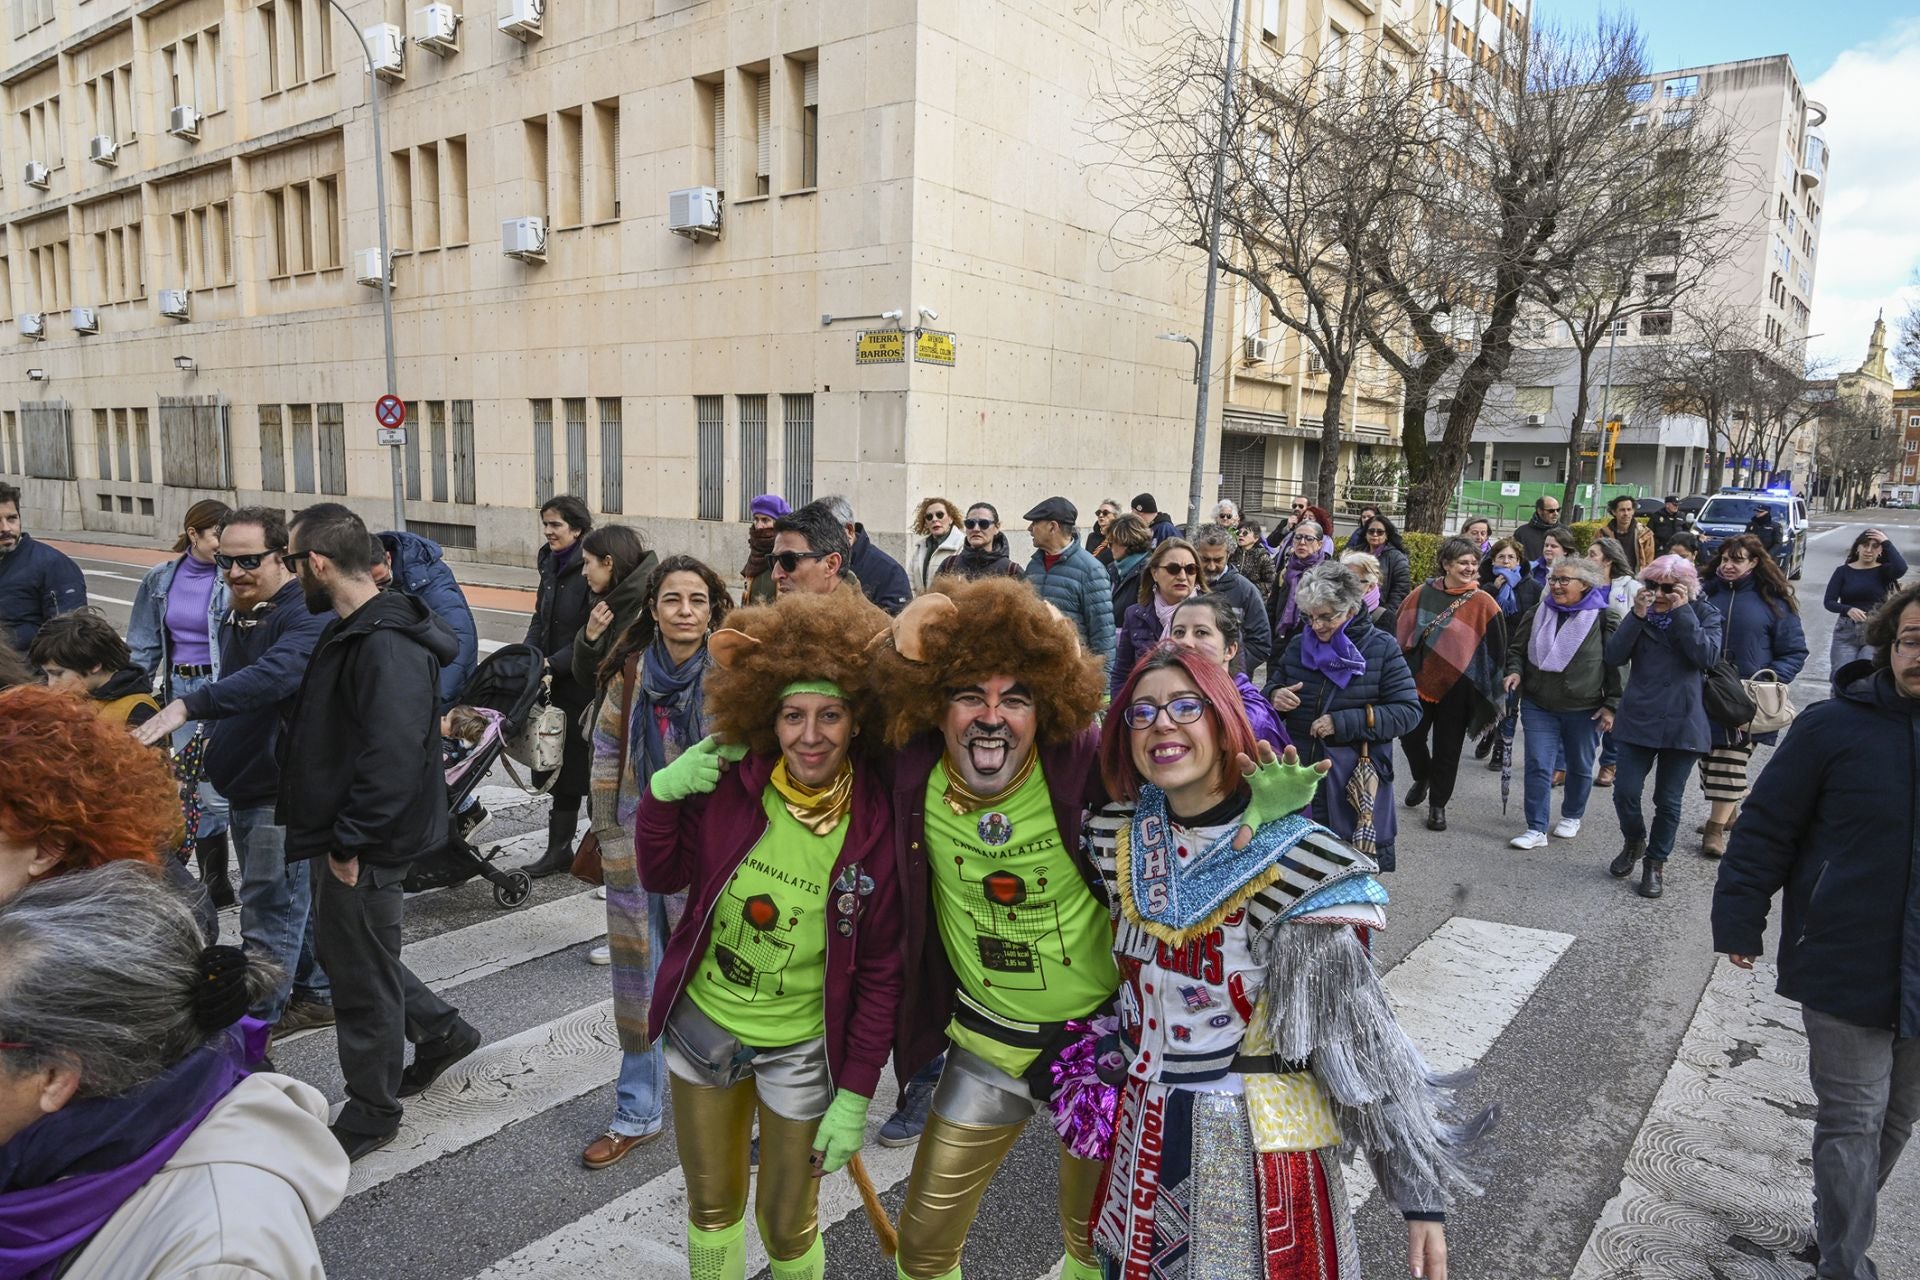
(825, 688)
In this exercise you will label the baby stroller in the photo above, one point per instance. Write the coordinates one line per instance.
(503, 689)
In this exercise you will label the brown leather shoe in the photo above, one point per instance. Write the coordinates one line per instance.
(1605, 777)
(611, 1148)
(1559, 777)
(1713, 841)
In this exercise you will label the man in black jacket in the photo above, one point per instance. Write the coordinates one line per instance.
(878, 573)
(265, 641)
(1214, 545)
(1533, 534)
(1667, 523)
(361, 787)
(1831, 823)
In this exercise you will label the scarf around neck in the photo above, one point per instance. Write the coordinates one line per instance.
(667, 713)
(818, 810)
(1339, 659)
(1163, 612)
(65, 1175)
(1509, 579)
(1560, 629)
(759, 553)
(1290, 577)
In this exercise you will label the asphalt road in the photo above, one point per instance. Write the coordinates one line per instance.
(1645, 1133)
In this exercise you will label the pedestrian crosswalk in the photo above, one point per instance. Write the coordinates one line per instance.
(484, 1179)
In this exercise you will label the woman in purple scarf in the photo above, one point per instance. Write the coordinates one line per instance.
(1557, 660)
(134, 1143)
(1307, 548)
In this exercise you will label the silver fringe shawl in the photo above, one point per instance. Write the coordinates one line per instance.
(1323, 1002)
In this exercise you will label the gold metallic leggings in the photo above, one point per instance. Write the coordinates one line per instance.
(951, 1171)
(714, 1129)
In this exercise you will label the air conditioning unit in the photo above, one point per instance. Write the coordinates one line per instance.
(436, 28)
(1536, 419)
(521, 18)
(524, 238)
(173, 304)
(38, 175)
(694, 212)
(102, 149)
(32, 324)
(184, 122)
(1316, 365)
(366, 268)
(389, 51)
(1255, 349)
(1542, 460)
(85, 320)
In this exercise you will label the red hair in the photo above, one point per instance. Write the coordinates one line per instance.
(1225, 715)
(80, 787)
(1321, 517)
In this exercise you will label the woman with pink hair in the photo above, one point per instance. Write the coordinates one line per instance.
(1672, 638)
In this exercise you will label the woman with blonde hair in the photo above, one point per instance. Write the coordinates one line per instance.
(937, 522)
(1172, 575)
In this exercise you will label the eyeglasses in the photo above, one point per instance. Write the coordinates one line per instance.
(1549, 511)
(1181, 570)
(1666, 588)
(248, 562)
(291, 561)
(789, 561)
(1376, 533)
(979, 524)
(1904, 647)
(1139, 716)
(1324, 619)
(1559, 581)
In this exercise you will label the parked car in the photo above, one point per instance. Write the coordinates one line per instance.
(1730, 511)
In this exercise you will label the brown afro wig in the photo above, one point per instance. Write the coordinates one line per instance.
(995, 627)
(765, 648)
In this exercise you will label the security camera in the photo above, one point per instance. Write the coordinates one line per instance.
(929, 313)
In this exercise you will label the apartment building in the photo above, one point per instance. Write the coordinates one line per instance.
(1776, 184)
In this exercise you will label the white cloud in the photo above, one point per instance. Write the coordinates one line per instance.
(1870, 244)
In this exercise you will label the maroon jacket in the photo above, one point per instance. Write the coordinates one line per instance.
(700, 842)
(1072, 771)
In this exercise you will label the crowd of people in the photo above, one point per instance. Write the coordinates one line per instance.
(828, 809)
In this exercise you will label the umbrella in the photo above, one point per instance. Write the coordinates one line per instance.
(1362, 786)
(1505, 748)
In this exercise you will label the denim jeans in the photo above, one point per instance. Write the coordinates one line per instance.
(1557, 736)
(1671, 767)
(1609, 751)
(213, 806)
(640, 1098)
(1866, 1083)
(276, 908)
(1849, 642)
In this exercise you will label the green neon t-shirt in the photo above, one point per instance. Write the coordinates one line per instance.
(1027, 938)
(764, 976)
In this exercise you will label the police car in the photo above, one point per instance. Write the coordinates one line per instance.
(1729, 511)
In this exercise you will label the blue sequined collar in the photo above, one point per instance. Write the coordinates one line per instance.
(1174, 901)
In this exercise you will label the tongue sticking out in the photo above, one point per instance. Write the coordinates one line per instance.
(987, 756)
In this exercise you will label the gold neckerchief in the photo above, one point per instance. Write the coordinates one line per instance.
(818, 811)
(962, 800)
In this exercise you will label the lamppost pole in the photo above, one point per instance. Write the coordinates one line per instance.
(1205, 380)
(386, 254)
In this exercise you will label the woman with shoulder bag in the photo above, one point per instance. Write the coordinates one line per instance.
(1455, 638)
(651, 686)
(559, 612)
(1760, 631)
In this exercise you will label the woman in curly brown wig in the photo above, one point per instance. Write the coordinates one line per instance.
(783, 840)
(80, 792)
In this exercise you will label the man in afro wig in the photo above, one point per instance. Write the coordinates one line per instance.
(990, 701)
(763, 650)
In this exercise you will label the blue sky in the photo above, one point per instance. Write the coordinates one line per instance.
(1861, 58)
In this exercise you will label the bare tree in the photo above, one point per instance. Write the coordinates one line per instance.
(1858, 443)
(1906, 347)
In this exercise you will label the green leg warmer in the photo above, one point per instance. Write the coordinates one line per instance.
(901, 1272)
(718, 1255)
(1071, 1268)
(811, 1265)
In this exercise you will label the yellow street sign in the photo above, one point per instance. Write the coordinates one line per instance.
(933, 347)
(879, 346)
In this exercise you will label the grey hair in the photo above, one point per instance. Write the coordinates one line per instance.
(842, 509)
(1227, 504)
(1330, 585)
(1309, 527)
(1617, 564)
(1363, 563)
(1212, 535)
(98, 971)
(1582, 568)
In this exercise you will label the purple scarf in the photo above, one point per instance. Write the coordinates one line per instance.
(1289, 579)
(1338, 659)
(65, 1175)
(1570, 625)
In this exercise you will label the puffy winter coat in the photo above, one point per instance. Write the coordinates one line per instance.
(879, 574)
(930, 556)
(1834, 821)
(1135, 639)
(1757, 635)
(1386, 685)
(419, 571)
(1256, 642)
(1396, 578)
(37, 582)
(1079, 587)
(1662, 706)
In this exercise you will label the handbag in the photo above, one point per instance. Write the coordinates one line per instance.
(541, 743)
(1772, 701)
(586, 859)
(1724, 693)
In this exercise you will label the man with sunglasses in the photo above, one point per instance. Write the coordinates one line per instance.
(1532, 535)
(266, 640)
(810, 552)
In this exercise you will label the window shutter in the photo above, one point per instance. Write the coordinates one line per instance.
(810, 85)
(720, 136)
(1270, 18)
(762, 118)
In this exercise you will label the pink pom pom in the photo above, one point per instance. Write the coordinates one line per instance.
(1083, 1105)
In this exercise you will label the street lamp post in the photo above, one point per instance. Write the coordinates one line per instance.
(386, 253)
(1203, 379)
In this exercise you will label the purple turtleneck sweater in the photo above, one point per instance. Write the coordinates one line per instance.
(187, 613)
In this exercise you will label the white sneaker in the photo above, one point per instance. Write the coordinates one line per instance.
(1529, 840)
(600, 892)
(603, 954)
(1567, 828)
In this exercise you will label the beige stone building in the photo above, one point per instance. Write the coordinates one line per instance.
(191, 257)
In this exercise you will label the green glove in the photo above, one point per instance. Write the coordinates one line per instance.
(696, 772)
(1280, 787)
(842, 1131)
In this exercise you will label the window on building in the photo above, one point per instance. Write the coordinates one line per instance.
(604, 181)
(753, 451)
(463, 457)
(453, 200)
(1270, 18)
(300, 419)
(412, 448)
(810, 122)
(270, 45)
(143, 444)
(568, 205)
(576, 410)
(110, 104)
(797, 411)
(436, 425)
(710, 101)
(760, 90)
(709, 416)
(102, 445)
(400, 202)
(426, 196)
(542, 450)
(534, 152)
(1656, 324)
(1529, 401)
(273, 450)
(1661, 284)
(1682, 87)
(613, 454)
(333, 448)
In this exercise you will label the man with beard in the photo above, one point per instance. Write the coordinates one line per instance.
(37, 581)
(1008, 932)
(365, 794)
